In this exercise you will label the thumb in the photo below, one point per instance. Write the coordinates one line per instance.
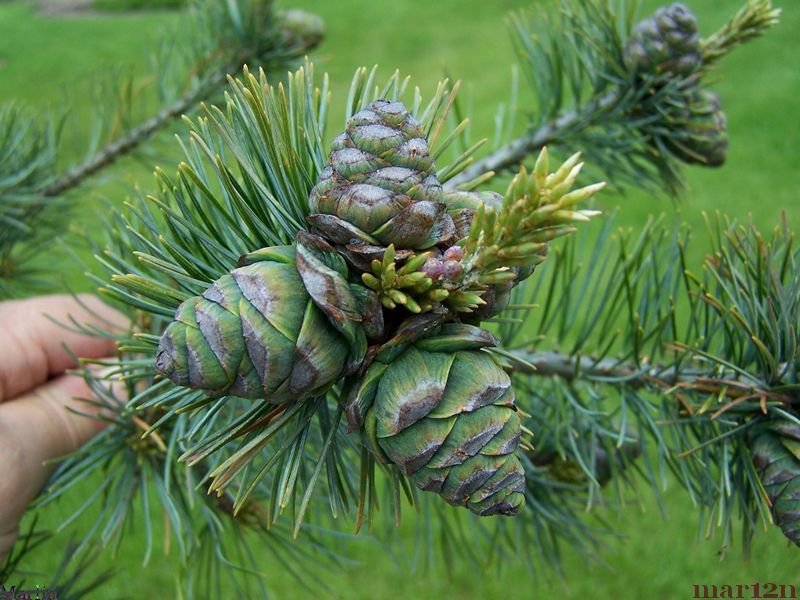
(35, 427)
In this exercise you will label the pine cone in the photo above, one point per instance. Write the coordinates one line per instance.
(667, 42)
(380, 186)
(444, 412)
(705, 131)
(258, 333)
(776, 456)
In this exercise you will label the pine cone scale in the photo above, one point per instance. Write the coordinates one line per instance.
(317, 358)
(202, 361)
(462, 482)
(475, 384)
(220, 329)
(375, 138)
(281, 303)
(412, 387)
(472, 431)
(505, 442)
(268, 350)
(365, 205)
(412, 448)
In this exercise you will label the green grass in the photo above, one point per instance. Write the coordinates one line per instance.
(42, 59)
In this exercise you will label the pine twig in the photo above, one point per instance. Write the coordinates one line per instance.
(298, 34)
(511, 155)
(637, 99)
(135, 137)
(751, 21)
(629, 374)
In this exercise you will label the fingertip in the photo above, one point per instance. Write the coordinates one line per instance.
(50, 421)
(44, 337)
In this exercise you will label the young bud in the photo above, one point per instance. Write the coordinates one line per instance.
(397, 296)
(433, 268)
(414, 263)
(388, 256)
(496, 277)
(542, 164)
(412, 279)
(437, 295)
(388, 275)
(453, 253)
(423, 285)
(412, 305)
(563, 171)
(452, 270)
(581, 194)
(370, 281)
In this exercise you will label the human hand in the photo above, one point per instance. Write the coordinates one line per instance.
(36, 392)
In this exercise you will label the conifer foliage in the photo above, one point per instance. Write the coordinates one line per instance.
(315, 339)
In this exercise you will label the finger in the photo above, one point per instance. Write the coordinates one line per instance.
(37, 426)
(33, 344)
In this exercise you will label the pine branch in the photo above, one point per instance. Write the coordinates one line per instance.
(300, 31)
(551, 133)
(607, 370)
(173, 246)
(669, 380)
(216, 38)
(595, 92)
(702, 385)
(76, 175)
(682, 393)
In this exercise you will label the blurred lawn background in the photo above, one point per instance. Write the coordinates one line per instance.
(43, 61)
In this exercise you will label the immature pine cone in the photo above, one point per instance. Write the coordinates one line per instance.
(254, 333)
(705, 131)
(776, 456)
(447, 418)
(667, 42)
(380, 184)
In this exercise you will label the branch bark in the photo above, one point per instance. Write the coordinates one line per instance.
(612, 371)
(136, 136)
(511, 155)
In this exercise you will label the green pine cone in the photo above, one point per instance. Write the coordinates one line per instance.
(380, 185)
(704, 139)
(776, 456)
(254, 333)
(667, 42)
(444, 413)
